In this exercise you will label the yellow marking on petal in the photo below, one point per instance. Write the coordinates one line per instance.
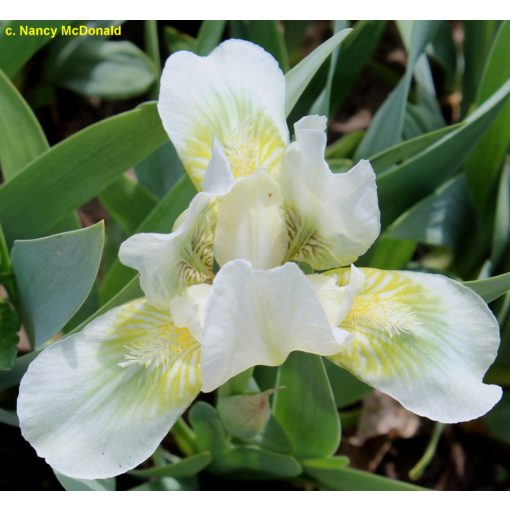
(383, 321)
(161, 359)
(160, 348)
(250, 140)
(389, 315)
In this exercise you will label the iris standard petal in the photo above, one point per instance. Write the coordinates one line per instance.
(251, 225)
(99, 402)
(235, 95)
(423, 339)
(255, 317)
(332, 219)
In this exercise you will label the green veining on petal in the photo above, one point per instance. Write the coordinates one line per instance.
(392, 322)
(305, 242)
(196, 252)
(148, 355)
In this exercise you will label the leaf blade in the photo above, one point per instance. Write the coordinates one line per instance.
(300, 75)
(69, 174)
(306, 408)
(54, 277)
(489, 289)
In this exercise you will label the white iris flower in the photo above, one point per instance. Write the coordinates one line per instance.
(99, 402)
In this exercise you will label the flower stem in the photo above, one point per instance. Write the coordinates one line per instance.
(417, 471)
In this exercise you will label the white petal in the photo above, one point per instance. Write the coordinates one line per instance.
(188, 309)
(167, 263)
(218, 177)
(423, 339)
(99, 402)
(332, 218)
(251, 225)
(255, 317)
(336, 300)
(235, 95)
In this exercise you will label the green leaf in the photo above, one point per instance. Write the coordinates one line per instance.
(305, 406)
(189, 466)
(402, 186)
(326, 463)
(389, 253)
(9, 418)
(210, 434)
(129, 292)
(386, 127)
(240, 384)
(333, 474)
(340, 165)
(11, 378)
(102, 68)
(274, 438)
(209, 36)
(70, 173)
(211, 437)
(128, 203)
(77, 484)
(442, 49)
(425, 109)
(178, 41)
(16, 51)
(489, 289)
(498, 420)
(54, 276)
(168, 484)
(21, 136)
(322, 104)
(295, 32)
(396, 155)
(478, 37)
(444, 218)
(244, 416)
(9, 326)
(300, 75)
(344, 146)
(151, 39)
(501, 233)
(269, 35)
(346, 388)
(255, 463)
(161, 219)
(356, 52)
(485, 163)
(160, 171)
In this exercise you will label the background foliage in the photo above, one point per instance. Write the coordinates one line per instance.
(81, 142)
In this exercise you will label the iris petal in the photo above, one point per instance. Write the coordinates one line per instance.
(256, 317)
(99, 402)
(235, 95)
(423, 339)
(332, 219)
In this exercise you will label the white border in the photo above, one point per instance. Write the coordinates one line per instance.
(237, 500)
(255, 9)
